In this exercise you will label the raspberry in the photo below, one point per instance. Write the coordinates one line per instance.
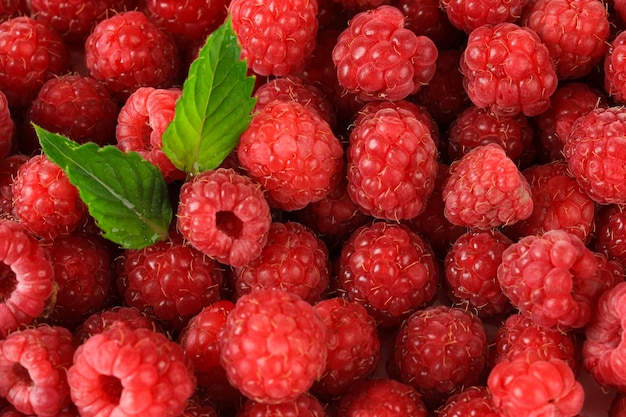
(196, 408)
(508, 68)
(438, 350)
(378, 58)
(485, 189)
(554, 279)
(8, 170)
(284, 38)
(140, 125)
(576, 33)
(425, 17)
(30, 54)
(33, 365)
(541, 387)
(392, 162)
(131, 372)
(382, 398)
(293, 259)
(273, 346)
(389, 269)
(126, 51)
(468, 15)
(472, 401)
(305, 405)
(614, 82)
(610, 233)
(27, 277)
(353, 346)
(471, 272)
(170, 280)
(293, 153)
(13, 8)
(224, 215)
(558, 203)
(618, 406)
(112, 317)
(7, 127)
(45, 201)
(596, 154)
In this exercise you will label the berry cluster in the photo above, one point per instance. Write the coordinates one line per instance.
(423, 216)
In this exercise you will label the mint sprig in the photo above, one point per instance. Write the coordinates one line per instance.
(215, 107)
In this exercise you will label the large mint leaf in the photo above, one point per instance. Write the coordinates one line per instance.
(215, 105)
(126, 195)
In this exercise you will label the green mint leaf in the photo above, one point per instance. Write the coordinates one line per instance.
(215, 105)
(125, 194)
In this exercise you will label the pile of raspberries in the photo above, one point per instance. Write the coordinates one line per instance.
(425, 217)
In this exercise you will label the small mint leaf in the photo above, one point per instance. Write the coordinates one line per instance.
(125, 194)
(215, 105)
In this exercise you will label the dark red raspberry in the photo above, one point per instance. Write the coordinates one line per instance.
(389, 269)
(614, 68)
(378, 58)
(33, 367)
(30, 54)
(576, 33)
(471, 272)
(354, 346)
(232, 229)
(305, 405)
(112, 317)
(508, 68)
(382, 398)
(7, 127)
(485, 189)
(8, 170)
(554, 279)
(140, 125)
(472, 401)
(198, 408)
(273, 346)
(425, 17)
(610, 232)
(618, 405)
(293, 153)
(132, 372)
(13, 8)
(468, 15)
(528, 388)
(356, 6)
(45, 201)
(558, 203)
(126, 51)
(438, 350)
(596, 154)
(276, 36)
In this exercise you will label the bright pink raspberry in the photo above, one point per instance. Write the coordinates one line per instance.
(305, 405)
(576, 33)
(273, 346)
(554, 279)
(378, 58)
(508, 68)
(530, 388)
(595, 151)
(389, 269)
(382, 398)
(130, 372)
(485, 189)
(293, 153)
(468, 15)
(33, 367)
(472, 401)
(7, 127)
(126, 51)
(225, 215)
(276, 36)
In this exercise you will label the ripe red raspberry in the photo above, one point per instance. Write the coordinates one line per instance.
(130, 372)
(13, 8)
(199, 408)
(305, 405)
(438, 350)
(232, 229)
(126, 51)
(45, 201)
(382, 398)
(425, 17)
(140, 125)
(7, 127)
(596, 154)
(610, 232)
(293, 153)
(353, 346)
(541, 387)
(485, 189)
(30, 54)
(378, 58)
(508, 68)
(294, 259)
(273, 346)
(558, 203)
(471, 272)
(554, 279)
(108, 318)
(472, 401)
(614, 68)
(389, 269)
(520, 337)
(392, 162)
(8, 170)
(276, 36)
(468, 15)
(576, 33)
(33, 367)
